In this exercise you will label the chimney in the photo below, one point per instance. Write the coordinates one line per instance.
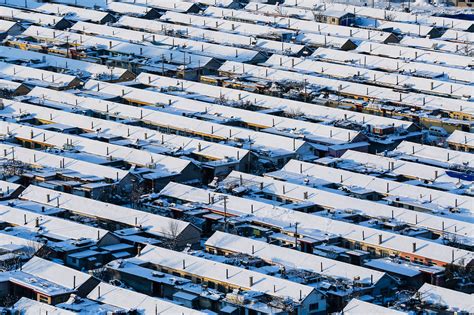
(227, 273)
(380, 238)
(184, 264)
(48, 197)
(414, 246)
(74, 282)
(250, 281)
(37, 224)
(139, 250)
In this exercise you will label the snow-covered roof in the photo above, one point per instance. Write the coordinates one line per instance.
(182, 44)
(414, 54)
(72, 13)
(261, 140)
(31, 17)
(358, 307)
(237, 276)
(34, 76)
(223, 25)
(378, 13)
(291, 258)
(155, 54)
(343, 203)
(281, 23)
(455, 301)
(393, 65)
(418, 100)
(170, 142)
(436, 45)
(206, 35)
(151, 223)
(268, 123)
(168, 5)
(42, 159)
(128, 8)
(375, 210)
(458, 36)
(23, 244)
(364, 75)
(312, 111)
(461, 137)
(5, 25)
(6, 188)
(9, 85)
(270, 214)
(79, 67)
(167, 166)
(439, 199)
(59, 274)
(49, 226)
(435, 176)
(130, 300)
(435, 155)
(31, 307)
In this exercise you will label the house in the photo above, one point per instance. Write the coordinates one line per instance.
(461, 141)
(366, 281)
(10, 89)
(357, 307)
(8, 28)
(133, 301)
(28, 306)
(180, 232)
(354, 236)
(226, 278)
(439, 300)
(48, 282)
(335, 17)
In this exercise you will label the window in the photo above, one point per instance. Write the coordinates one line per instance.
(43, 298)
(313, 306)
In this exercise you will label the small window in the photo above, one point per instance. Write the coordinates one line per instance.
(313, 306)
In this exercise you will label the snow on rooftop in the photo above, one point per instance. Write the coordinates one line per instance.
(314, 111)
(417, 100)
(168, 166)
(59, 274)
(30, 75)
(60, 163)
(358, 307)
(174, 142)
(348, 178)
(49, 226)
(131, 300)
(31, 307)
(366, 75)
(151, 223)
(72, 13)
(206, 35)
(182, 44)
(414, 54)
(153, 53)
(261, 140)
(48, 60)
(300, 25)
(461, 137)
(434, 176)
(455, 301)
(6, 188)
(409, 67)
(27, 16)
(428, 153)
(292, 258)
(312, 224)
(237, 276)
